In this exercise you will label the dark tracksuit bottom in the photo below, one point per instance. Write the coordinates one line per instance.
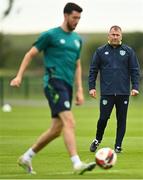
(107, 103)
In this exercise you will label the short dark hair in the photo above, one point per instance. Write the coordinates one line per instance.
(115, 27)
(69, 7)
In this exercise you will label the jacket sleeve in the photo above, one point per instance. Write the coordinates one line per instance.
(134, 70)
(93, 71)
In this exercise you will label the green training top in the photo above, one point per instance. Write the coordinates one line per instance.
(61, 51)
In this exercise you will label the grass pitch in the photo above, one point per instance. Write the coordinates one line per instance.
(20, 128)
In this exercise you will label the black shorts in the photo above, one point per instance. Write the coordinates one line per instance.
(59, 96)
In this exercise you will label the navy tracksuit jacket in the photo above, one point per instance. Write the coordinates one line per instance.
(118, 68)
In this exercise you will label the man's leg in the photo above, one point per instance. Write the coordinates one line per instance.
(121, 114)
(53, 132)
(68, 131)
(70, 142)
(106, 106)
(49, 135)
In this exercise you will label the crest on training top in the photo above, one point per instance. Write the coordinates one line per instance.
(122, 52)
(62, 41)
(77, 43)
(106, 52)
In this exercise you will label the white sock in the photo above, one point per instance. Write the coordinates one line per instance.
(75, 160)
(28, 155)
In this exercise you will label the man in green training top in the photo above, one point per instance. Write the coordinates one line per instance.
(61, 48)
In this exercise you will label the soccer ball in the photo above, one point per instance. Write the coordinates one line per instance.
(106, 157)
(6, 108)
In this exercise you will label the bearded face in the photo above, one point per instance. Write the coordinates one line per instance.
(72, 20)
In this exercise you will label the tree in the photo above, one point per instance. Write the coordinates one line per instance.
(5, 49)
(8, 9)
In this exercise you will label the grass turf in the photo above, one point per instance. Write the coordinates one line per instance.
(21, 127)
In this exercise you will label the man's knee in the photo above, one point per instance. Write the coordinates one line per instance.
(68, 120)
(69, 123)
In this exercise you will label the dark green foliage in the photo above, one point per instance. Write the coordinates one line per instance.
(13, 48)
(5, 51)
(90, 43)
(135, 40)
(8, 10)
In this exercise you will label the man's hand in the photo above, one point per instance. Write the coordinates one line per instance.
(92, 93)
(79, 97)
(15, 82)
(134, 92)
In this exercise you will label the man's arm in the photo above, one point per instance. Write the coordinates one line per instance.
(134, 72)
(93, 71)
(25, 62)
(78, 81)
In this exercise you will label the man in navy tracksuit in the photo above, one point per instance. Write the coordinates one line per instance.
(118, 66)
